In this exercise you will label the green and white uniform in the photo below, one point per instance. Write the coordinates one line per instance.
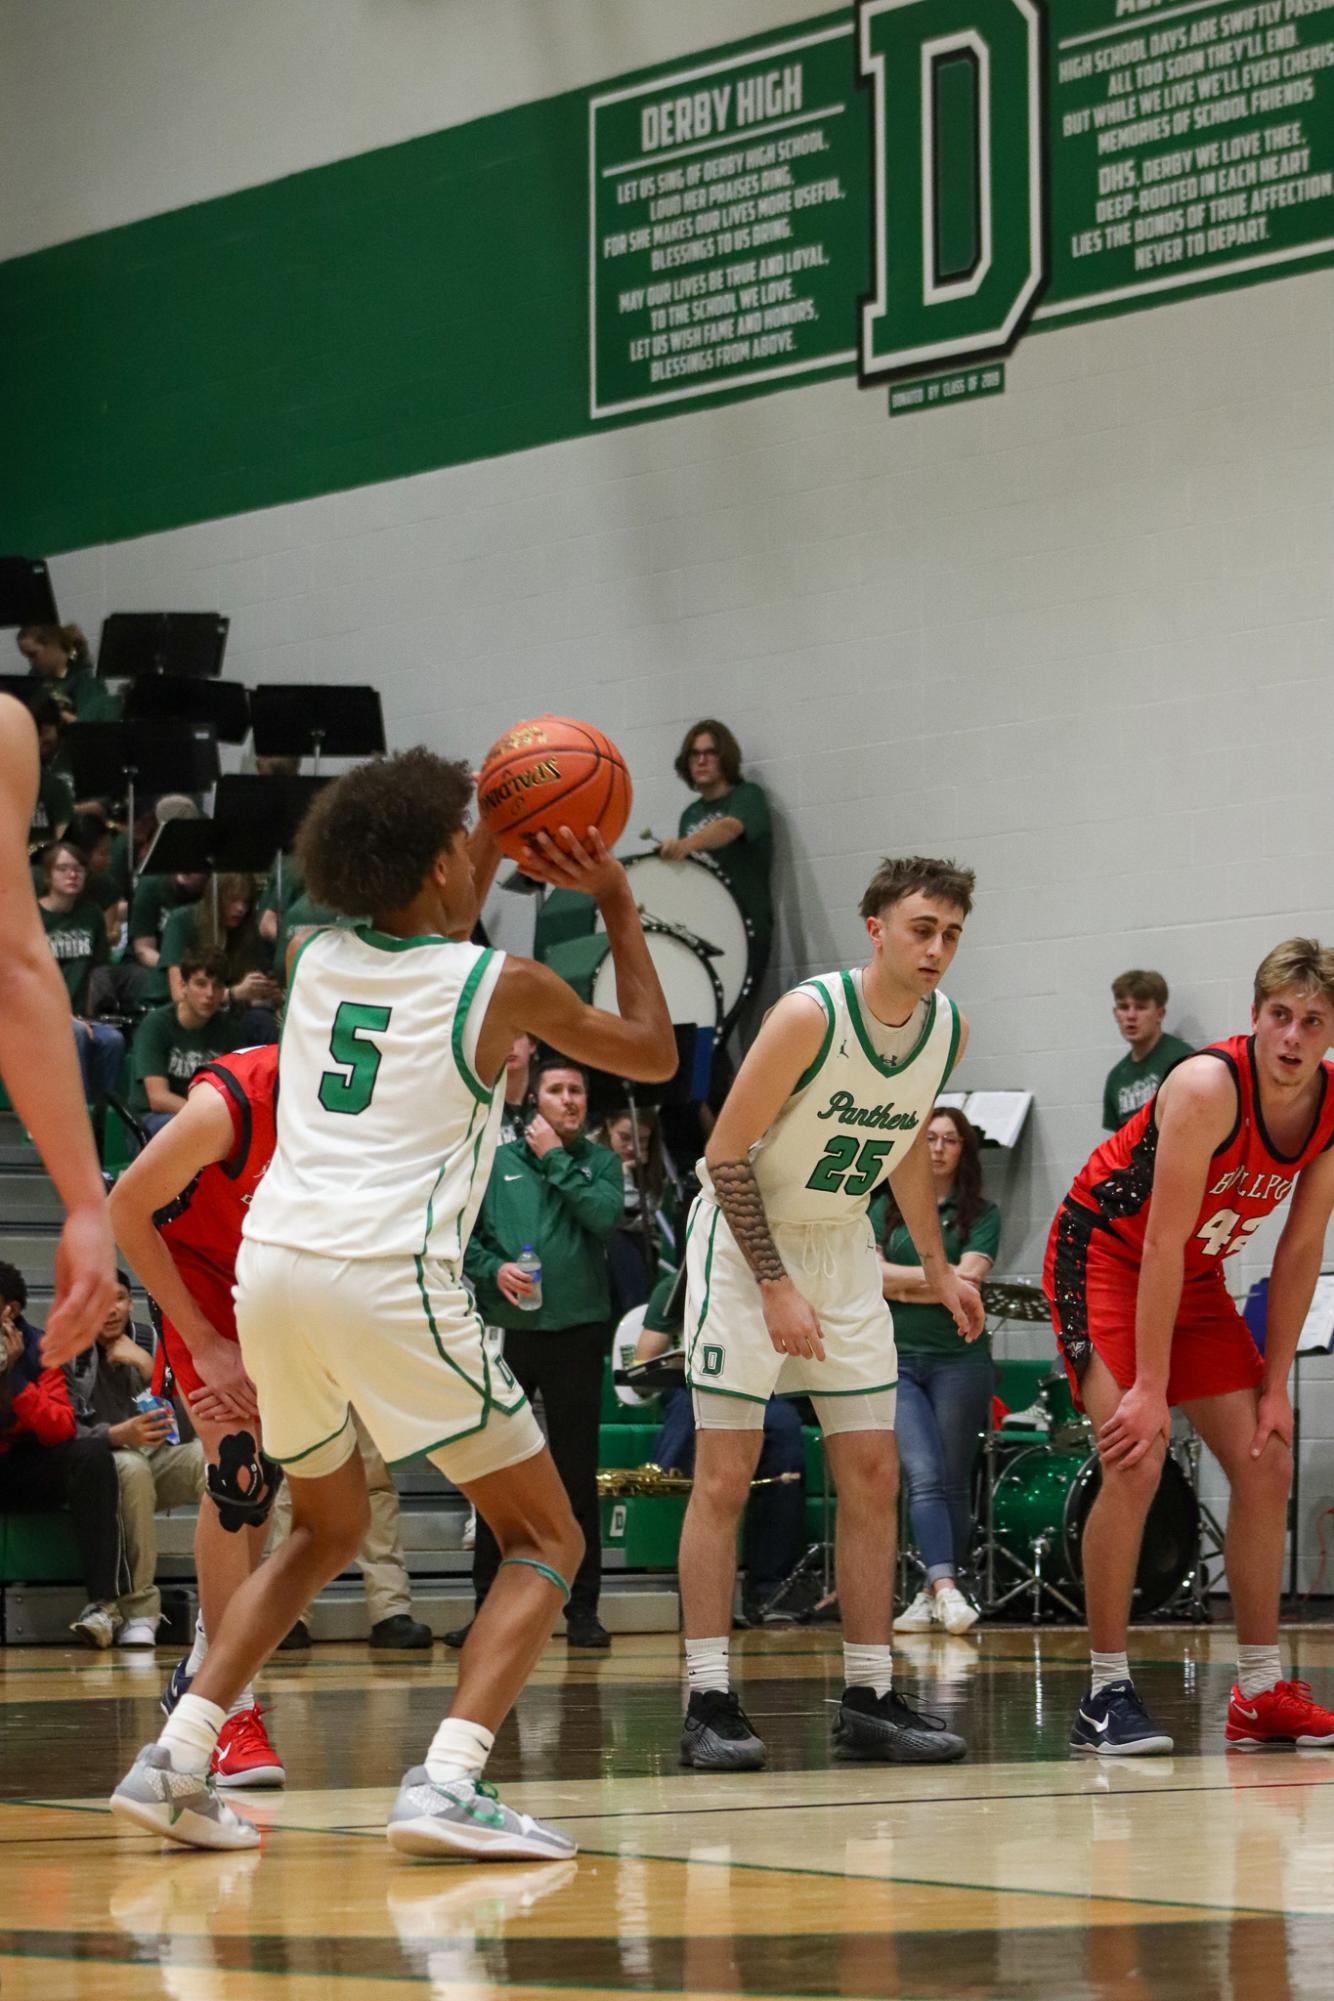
(849, 1122)
(349, 1280)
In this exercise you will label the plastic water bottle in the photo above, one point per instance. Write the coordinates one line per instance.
(147, 1401)
(530, 1264)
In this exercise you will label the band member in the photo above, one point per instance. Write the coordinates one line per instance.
(1135, 1276)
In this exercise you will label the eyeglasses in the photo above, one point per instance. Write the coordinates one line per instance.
(67, 868)
(708, 751)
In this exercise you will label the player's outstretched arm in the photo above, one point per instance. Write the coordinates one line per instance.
(1195, 1111)
(1296, 1267)
(195, 1139)
(38, 1063)
(529, 998)
(786, 1046)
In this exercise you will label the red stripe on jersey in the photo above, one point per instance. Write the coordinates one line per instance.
(1248, 1177)
(204, 1225)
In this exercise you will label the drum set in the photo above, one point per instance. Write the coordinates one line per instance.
(1037, 1481)
(699, 939)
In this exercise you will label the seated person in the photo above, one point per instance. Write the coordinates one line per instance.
(1139, 1004)
(172, 1041)
(44, 1465)
(226, 920)
(89, 832)
(151, 1471)
(62, 669)
(77, 934)
(775, 1519)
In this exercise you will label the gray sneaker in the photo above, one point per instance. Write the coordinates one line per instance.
(465, 1817)
(181, 1806)
(97, 1625)
(717, 1736)
(883, 1730)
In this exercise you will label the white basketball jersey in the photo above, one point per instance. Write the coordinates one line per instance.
(855, 1112)
(385, 1132)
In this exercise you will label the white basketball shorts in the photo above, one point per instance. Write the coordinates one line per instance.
(833, 1265)
(398, 1338)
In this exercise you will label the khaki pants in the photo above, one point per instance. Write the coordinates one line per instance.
(380, 1558)
(170, 1476)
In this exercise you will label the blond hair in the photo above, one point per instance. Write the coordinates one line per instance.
(1303, 963)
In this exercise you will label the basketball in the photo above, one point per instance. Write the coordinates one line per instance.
(548, 773)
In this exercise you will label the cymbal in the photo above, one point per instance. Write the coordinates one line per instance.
(1015, 1299)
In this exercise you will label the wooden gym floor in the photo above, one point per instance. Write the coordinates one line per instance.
(1023, 1872)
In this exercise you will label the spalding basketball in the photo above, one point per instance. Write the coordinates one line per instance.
(551, 773)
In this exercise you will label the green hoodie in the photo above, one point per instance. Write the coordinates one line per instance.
(566, 1204)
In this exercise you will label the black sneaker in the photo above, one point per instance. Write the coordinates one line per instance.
(401, 1632)
(1115, 1724)
(296, 1641)
(873, 1729)
(585, 1629)
(457, 1636)
(717, 1736)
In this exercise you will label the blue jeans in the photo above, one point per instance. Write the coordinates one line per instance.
(942, 1413)
(101, 1052)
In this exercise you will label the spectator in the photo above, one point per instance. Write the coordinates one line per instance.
(172, 1041)
(776, 1514)
(730, 822)
(1139, 1004)
(633, 1257)
(152, 1473)
(554, 1190)
(55, 793)
(945, 1383)
(76, 932)
(59, 661)
(44, 1464)
(88, 831)
(519, 1101)
(226, 920)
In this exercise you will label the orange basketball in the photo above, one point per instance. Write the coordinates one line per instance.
(551, 773)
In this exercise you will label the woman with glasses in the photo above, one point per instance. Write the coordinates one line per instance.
(945, 1384)
(76, 932)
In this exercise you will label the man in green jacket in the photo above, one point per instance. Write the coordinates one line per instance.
(552, 1190)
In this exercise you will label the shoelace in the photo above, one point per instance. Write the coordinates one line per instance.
(248, 1732)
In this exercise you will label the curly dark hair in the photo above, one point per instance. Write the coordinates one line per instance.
(370, 838)
(12, 1289)
(969, 1201)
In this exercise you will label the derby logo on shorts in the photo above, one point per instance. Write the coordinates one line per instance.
(844, 1107)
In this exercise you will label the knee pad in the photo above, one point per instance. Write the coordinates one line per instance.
(244, 1483)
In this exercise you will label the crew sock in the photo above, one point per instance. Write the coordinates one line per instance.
(190, 1733)
(1108, 1668)
(707, 1665)
(868, 1667)
(1258, 1669)
(459, 1750)
(199, 1651)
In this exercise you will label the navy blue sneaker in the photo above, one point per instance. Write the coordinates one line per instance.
(178, 1684)
(1115, 1724)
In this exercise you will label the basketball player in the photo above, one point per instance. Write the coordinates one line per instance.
(783, 1294)
(349, 1278)
(1135, 1276)
(39, 1064)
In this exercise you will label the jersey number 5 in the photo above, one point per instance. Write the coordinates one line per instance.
(360, 1060)
(839, 1155)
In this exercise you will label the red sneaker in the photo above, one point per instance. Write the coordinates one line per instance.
(245, 1757)
(1284, 1714)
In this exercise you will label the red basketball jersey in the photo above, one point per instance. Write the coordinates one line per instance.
(203, 1225)
(1248, 1177)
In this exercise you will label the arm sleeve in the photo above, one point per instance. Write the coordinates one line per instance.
(592, 1186)
(984, 1237)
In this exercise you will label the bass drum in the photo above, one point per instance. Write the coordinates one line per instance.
(691, 986)
(692, 896)
(1046, 1493)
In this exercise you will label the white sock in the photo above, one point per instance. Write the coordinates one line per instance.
(868, 1667)
(1107, 1668)
(245, 1700)
(1258, 1668)
(707, 1665)
(190, 1733)
(459, 1750)
(199, 1651)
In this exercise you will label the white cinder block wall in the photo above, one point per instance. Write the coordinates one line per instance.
(1078, 636)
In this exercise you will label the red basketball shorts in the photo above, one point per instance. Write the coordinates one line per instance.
(212, 1294)
(1093, 1296)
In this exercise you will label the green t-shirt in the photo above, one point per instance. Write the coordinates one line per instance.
(300, 912)
(52, 807)
(180, 935)
(746, 862)
(923, 1328)
(155, 898)
(118, 864)
(78, 941)
(1130, 1084)
(162, 1048)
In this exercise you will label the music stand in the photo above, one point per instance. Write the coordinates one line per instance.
(316, 720)
(210, 847)
(144, 756)
(26, 596)
(185, 698)
(190, 643)
(278, 803)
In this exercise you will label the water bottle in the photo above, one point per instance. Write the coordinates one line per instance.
(530, 1264)
(147, 1401)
